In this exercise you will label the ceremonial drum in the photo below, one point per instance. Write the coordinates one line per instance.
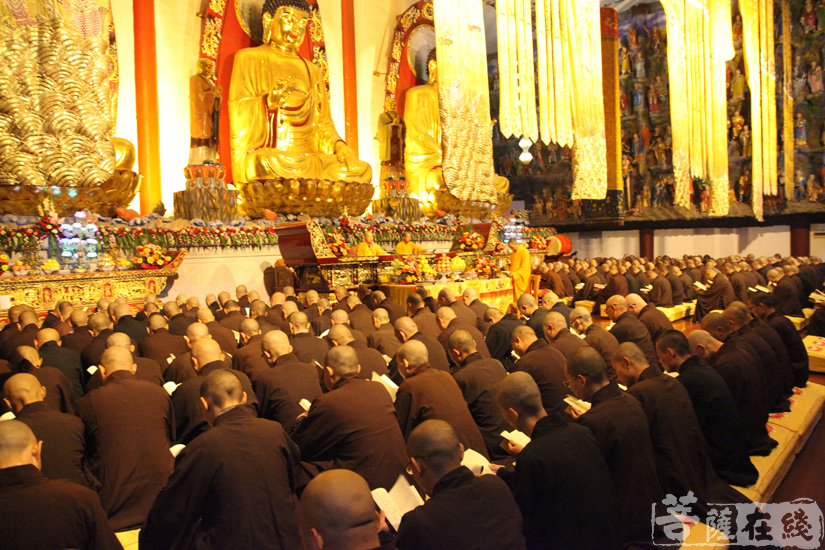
(558, 245)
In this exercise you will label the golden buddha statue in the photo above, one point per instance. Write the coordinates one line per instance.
(279, 115)
(423, 155)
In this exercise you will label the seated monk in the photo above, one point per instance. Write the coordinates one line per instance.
(406, 246)
(368, 247)
(279, 114)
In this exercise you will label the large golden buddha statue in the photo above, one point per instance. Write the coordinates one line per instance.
(279, 115)
(423, 156)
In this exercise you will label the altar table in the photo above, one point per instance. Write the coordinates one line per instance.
(497, 293)
(43, 292)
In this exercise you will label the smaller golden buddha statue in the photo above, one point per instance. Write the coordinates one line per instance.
(423, 154)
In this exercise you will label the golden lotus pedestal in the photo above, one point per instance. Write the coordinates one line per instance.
(448, 204)
(43, 292)
(320, 198)
(117, 192)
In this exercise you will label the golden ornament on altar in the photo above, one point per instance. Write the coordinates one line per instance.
(286, 154)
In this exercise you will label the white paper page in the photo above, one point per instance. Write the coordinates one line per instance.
(405, 496)
(170, 387)
(517, 437)
(476, 462)
(580, 406)
(305, 404)
(176, 449)
(385, 381)
(92, 370)
(384, 501)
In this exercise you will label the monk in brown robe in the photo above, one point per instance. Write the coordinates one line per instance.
(233, 486)
(327, 436)
(429, 393)
(129, 429)
(678, 443)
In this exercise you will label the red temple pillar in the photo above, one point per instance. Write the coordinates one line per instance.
(646, 243)
(146, 98)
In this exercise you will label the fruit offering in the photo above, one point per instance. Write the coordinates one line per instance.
(51, 264)
(443, 264)
(458, 264)
(424, 268)
(20, 266)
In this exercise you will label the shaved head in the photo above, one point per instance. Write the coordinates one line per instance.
(196, 332)
(47, 335)
(337, 508)
(342, 360)
(340, 317)
(519, 391)
(78, 318)
(635, 302)
(340, 334)
(414, 353)
(299, 320)
(18, 445)
(206, 351)
(446, 314)
(99, 322)
(157, 322)
(406, 325)
(29, 354)
(222, 389)
(250, 327)
(119, 339)
(554, 319)
(276, 342)
(116, 359)
(28, 318)
(22, 389)
(380, 314)
(122, 310)
(462, 341)
(717, 325)
(437, 441)
(205, 315)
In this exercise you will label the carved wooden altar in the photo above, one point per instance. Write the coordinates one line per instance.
(304, 248)
(43, 292)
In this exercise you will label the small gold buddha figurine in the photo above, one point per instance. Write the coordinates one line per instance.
(423, 154)
(279, 114)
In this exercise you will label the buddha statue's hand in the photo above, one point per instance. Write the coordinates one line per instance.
(346, 156)
(276, 99)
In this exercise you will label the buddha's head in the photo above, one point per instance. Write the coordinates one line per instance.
(205, 67)
(285, 22)
(432, 68)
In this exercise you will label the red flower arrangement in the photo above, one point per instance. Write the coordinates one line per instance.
(471, 241)
(337, 244)
(482, 266)
(538, 243)
(150, 256)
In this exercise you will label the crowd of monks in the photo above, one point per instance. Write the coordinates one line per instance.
(279, 432)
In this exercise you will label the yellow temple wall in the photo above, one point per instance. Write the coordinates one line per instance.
(178, 37)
